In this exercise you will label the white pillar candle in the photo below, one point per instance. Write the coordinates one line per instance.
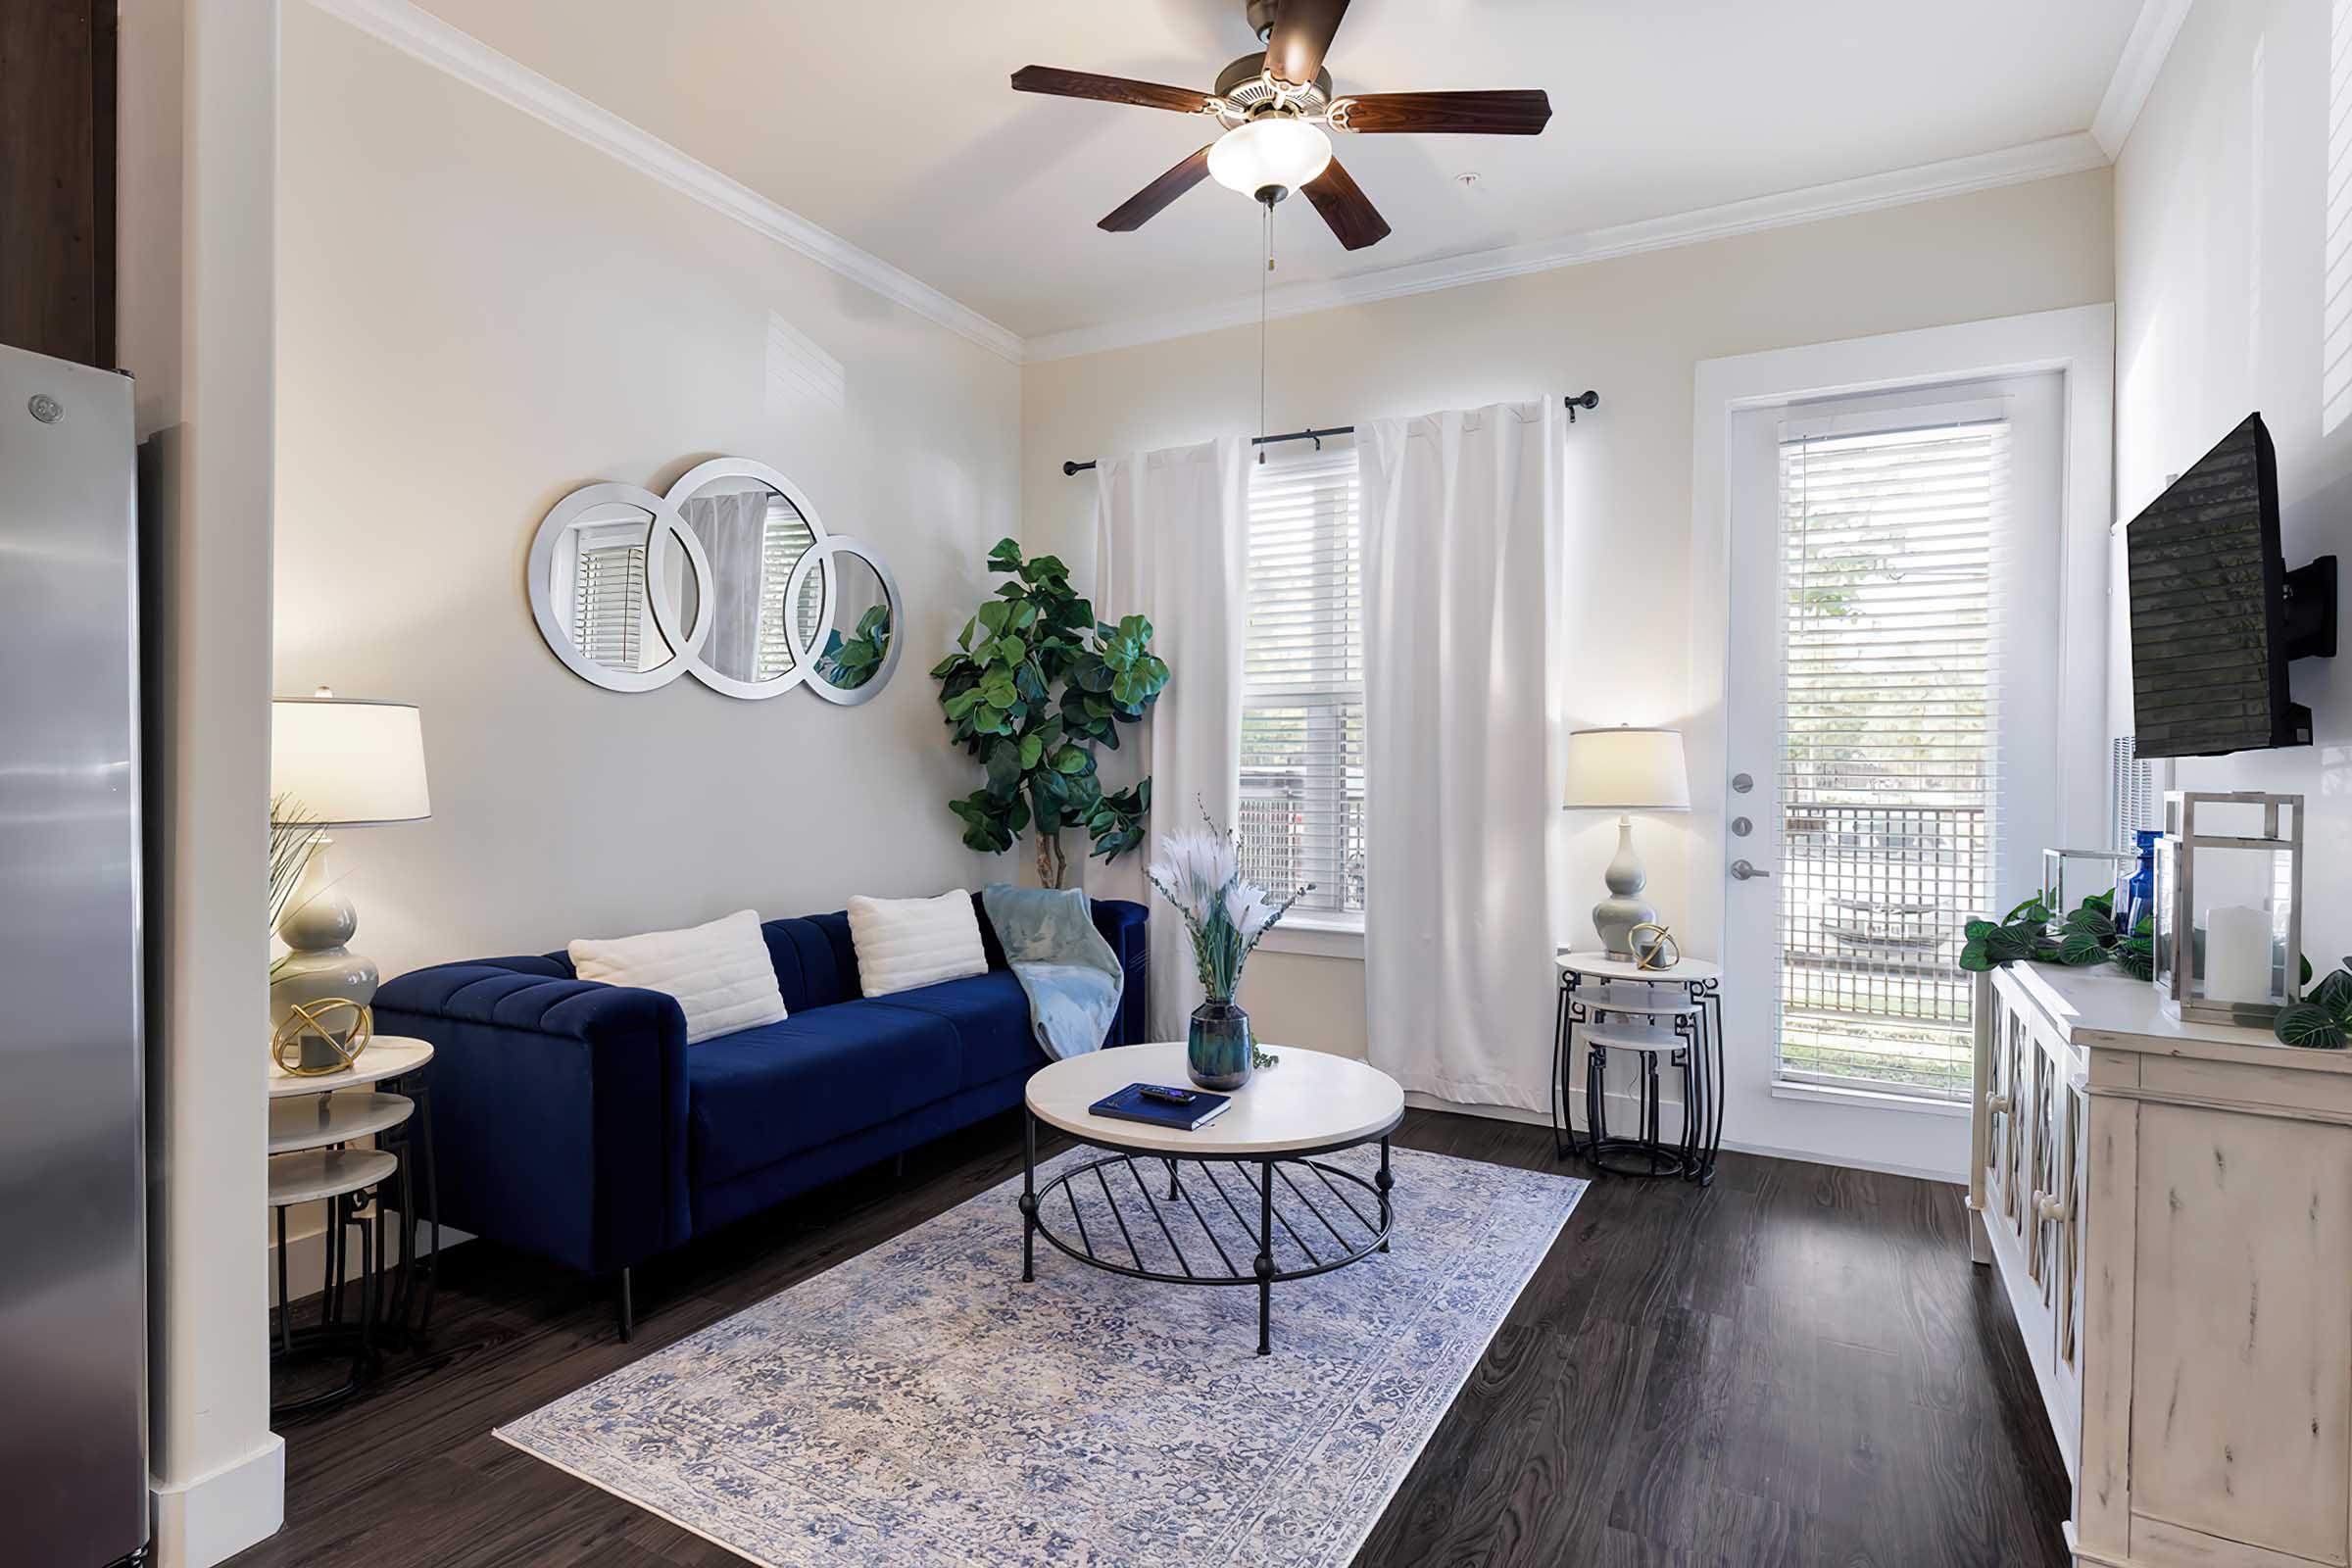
(2238, 955)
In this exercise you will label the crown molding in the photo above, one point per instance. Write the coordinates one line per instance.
(2041, 159)
(2136, 71)
(427, 37)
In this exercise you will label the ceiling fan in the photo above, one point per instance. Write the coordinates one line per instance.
(1275, 107)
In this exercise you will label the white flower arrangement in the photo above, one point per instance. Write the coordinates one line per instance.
(1200, 874)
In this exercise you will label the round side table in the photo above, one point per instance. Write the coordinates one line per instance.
(1671, 1017)
(391, 1062)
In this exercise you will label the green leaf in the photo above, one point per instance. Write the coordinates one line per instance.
(1975, 957)
(1005, 556)
(991, 616)
(960, 704)
(2312, 1027)
(2333, 993)
(1071, 760)
(1032, 747)
(2079, 948)
(1004, 769)
(1977, 930)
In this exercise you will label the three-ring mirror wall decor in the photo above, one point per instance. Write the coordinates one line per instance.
(731, 578)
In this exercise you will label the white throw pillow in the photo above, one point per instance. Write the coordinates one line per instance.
(721, 972)
(906, 943)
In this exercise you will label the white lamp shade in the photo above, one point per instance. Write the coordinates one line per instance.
(1627, 769)
(1276, 150)
(347, 762)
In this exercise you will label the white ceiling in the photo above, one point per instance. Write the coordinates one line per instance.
(894, 126)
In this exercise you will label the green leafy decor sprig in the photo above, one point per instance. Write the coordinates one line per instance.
(2085, 937)
(2323, 1019)
(1035, 686)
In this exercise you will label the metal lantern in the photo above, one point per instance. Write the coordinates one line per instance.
(2230, 905)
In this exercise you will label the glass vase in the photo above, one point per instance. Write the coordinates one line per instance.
(1217, 1052)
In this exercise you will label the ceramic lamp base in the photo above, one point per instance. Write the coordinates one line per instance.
(1615, 916)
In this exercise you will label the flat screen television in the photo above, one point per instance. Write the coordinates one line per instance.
(2215, 616)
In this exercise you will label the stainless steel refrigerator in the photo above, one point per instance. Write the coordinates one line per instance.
(73, 1231)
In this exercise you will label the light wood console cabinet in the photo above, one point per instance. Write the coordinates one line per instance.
(2169, 1208)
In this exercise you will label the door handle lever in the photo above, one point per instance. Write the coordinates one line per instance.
(1744, 870)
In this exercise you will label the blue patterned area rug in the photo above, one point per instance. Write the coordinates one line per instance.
(918, 1406)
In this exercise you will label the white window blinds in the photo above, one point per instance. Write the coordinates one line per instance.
(609, 593)
(1890, 549)
(784, 538)
(1302, 701)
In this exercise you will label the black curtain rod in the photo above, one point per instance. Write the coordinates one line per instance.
(1583, 400)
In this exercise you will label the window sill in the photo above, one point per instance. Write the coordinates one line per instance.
(1316, 937)
(1868, 1098)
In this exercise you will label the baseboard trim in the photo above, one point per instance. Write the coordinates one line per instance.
(212, 1517)
(1671, 1115)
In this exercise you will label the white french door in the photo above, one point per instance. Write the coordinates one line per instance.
(1891, 708)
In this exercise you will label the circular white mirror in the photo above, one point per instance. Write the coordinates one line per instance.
(853, 638)
(594, 595)
(754, 526)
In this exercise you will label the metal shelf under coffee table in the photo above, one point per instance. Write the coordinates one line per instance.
(1277, 1192)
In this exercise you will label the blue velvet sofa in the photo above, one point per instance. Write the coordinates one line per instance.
(572, 1119)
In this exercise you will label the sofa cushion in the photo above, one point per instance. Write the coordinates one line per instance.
(759, 1095)
(991, 1016)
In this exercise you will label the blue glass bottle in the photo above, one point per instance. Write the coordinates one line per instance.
(2140, 892)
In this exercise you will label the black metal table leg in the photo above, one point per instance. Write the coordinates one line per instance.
(1265, 1256)
(285, 1302)
(1028, 1197)
(1385, 1181)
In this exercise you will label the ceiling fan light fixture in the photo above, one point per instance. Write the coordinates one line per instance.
(1274, 152)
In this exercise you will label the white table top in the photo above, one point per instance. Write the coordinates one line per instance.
(1603, 967)
(386, 1056)
(1311, 1099)
(314, 1121)
(317, 1173)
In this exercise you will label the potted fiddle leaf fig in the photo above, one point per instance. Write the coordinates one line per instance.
(1035, 686)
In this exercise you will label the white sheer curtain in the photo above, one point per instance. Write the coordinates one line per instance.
(1172, 544)
(1462, 546)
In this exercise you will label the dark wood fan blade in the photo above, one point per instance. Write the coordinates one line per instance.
(1145, 204)
(1108, 89)
(1301, 36)
(1485, 114)
(1345, 207)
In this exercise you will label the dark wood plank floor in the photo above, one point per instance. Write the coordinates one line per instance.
(1795, 1366)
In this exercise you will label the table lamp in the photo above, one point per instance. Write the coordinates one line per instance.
(336, 761)
(1625, 770)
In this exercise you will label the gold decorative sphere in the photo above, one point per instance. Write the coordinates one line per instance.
(1654, 946)
(310, 1024)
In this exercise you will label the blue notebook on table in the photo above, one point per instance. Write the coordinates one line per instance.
(1132, 1105)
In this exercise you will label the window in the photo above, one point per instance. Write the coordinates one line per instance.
(1890, 542)
(1302, 696)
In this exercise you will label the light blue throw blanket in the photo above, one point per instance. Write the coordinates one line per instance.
(1071, 976)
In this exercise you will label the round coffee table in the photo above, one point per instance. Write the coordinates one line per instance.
(1313, 1104)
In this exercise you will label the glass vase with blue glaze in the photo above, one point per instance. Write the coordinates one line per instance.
(1218, 1051)
(1200, 874)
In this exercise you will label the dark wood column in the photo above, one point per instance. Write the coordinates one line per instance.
(57, 178)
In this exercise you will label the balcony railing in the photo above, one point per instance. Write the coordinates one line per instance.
(1279, 850)
(1873, 903)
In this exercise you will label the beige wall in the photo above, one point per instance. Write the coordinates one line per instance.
(1632, 329)
(476, 314)
(2231, 235)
